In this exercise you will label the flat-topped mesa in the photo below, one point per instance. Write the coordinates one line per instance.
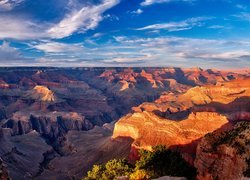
(42, 93)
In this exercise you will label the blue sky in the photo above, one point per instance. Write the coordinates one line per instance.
(180, 33)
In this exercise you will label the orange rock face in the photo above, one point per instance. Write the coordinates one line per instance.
(180, 121)
(63, 104)
(224, 155)
(42, 93)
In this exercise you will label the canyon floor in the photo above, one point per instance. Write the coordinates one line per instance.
(55, 123)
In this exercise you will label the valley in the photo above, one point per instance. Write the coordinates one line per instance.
(57, 122)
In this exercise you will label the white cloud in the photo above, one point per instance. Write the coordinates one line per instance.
(56, 47)
(216, 27)
(150, 2)
(243, 16)
(240, 6)
(138, 11)
(20, 28)
(7, 5)
(177, 51)
(11, 55)
(78, 20)
(6, 51)
(131, 51)
(83, 19)
(177, 26)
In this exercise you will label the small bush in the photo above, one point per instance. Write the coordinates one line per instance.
(160, 162)
(140, 174)
(113, 168)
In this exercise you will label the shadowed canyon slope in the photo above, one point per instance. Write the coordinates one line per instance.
(54, 120)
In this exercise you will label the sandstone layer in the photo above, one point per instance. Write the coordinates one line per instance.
(52, 111)
(181, 120)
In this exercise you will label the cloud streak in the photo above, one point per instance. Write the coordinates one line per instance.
(84, 19)
(177, 26)
(150, 2)
(20, 28)
(174, 51)
(7, 5)
(159, 51)
(11, 55)
(56, 47)
(78, 20)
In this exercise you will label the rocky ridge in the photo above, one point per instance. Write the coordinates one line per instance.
(181, 120)
(51, 108)
(224, 155)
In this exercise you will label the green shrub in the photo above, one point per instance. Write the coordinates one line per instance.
(160, 162)
(113, 168)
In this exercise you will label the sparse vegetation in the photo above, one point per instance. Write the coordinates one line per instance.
(236, 138)
(152, 164)
(113, 168)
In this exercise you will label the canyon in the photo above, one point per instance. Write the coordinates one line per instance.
(179, 121)
(57, 122)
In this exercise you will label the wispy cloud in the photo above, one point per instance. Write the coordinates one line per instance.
(138, 11)
(56, 47)
(80, 19)
(150, 2)
(240, 6)
(174, 51)
(11, 55)
(244, 16)
(216, 27)
(177, 26)
(20, 28)
(159, 51)
(7, 5)
(86, 18)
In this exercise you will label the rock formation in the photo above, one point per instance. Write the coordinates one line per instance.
(42, 93)
(180, 120)
(3, 172)
(224, 155)
(23, 154)
(51, 112)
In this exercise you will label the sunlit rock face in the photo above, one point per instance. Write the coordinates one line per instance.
(224, 155)
(60, 116)
(180, 120)
(42, 93)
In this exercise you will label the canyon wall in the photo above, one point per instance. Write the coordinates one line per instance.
(179, 121)
(53, 115)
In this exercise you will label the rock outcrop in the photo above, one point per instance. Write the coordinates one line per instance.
(42, 93)
(224, 155)
(181, 120)
(23, 154)
(46, 113)
(3, 172)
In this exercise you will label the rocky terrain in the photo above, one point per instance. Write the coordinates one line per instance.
(179, 121)
(51, 116)
(3, 172)
(225, 155)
